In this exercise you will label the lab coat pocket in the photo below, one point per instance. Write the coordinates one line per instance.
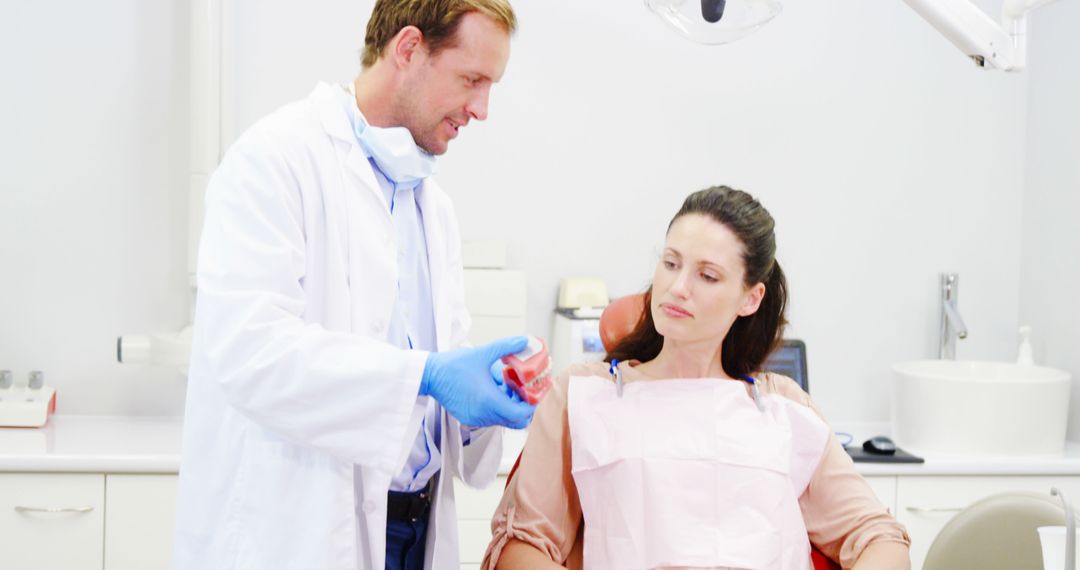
(268, 503)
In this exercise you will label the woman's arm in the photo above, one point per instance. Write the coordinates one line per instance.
(884, 556)
(843, 516)
(517, 555)
(845, 519)
(538, 520)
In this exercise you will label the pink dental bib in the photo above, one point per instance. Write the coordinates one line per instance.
(691, 474)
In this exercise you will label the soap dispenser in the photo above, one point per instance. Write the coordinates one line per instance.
(1023, 352)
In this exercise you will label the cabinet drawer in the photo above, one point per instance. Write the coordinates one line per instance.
(495, 292)
(139, 525)
(885, 489)
(52, 521)
(478, 504)
(925, 504)
(475, 535)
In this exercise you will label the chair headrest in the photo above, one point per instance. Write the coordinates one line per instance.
(619, 319)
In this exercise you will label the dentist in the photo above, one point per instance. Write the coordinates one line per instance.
(331, 401)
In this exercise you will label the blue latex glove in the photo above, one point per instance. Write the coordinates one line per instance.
(467, 383)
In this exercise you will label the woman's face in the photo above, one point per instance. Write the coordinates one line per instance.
(698, 289)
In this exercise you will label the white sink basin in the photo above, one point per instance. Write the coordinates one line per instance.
(979, 408)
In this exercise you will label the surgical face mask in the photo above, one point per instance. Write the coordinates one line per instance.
(394, 150)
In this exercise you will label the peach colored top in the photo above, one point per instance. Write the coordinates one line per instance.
(540, 505)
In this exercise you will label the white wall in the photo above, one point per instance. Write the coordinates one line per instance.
(93, 155)
(885, 156)
(1050, 276)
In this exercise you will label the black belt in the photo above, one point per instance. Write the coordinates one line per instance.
(409, 507)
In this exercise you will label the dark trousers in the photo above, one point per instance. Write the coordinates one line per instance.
(405, 538)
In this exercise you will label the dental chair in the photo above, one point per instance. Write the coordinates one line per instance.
(619, 319)
(996, 533)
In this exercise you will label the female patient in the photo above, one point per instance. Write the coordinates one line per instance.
(679, 452)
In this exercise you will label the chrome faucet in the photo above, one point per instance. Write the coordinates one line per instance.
(952, 324)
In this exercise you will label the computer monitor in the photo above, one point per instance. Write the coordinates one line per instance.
(789, 359)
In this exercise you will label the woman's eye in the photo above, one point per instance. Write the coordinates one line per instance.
(709, 277)
(669, 264)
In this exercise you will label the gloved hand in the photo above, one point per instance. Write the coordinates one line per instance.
(467, 383)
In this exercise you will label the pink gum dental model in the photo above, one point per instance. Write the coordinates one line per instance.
(529, 372)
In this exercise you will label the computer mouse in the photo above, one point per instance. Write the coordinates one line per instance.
(879, 445)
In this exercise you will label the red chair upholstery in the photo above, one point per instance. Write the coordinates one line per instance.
(619, 319)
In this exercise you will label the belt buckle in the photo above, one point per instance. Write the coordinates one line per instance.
(418, 505)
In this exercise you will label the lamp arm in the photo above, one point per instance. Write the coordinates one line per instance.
(1001, 46)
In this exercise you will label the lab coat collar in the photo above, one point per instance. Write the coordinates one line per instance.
(335, 121)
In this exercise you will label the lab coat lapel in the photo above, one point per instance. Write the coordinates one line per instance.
(435, 236)
(357, 163)
(335, 121)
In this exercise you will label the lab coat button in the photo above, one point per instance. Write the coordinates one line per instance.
(369, 507)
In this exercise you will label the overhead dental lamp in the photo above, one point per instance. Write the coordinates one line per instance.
(715, 21)
(986, 42)
(989, 44)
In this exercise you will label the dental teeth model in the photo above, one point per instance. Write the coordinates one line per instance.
(529, 372)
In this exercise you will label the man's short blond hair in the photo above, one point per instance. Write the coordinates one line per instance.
(438, 20)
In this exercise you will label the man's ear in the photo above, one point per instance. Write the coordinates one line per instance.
(406, 45)
(752, 300)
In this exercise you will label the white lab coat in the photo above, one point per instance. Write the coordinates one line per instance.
(293, 390)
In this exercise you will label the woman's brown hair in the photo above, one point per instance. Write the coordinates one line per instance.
(752, 337)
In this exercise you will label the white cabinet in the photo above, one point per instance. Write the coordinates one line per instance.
(139, 514)
(75, 521)
(86, 521)
(476, 507)
(885, 489)
(925, 504)
(496, 302)
(474, 510)
(52, 521)
(922, 503)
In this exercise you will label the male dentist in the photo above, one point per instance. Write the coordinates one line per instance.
(330, 402)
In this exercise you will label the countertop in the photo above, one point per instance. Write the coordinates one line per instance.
(112, 444)
(94, 444)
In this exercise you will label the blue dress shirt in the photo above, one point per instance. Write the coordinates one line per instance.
(412, 324)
